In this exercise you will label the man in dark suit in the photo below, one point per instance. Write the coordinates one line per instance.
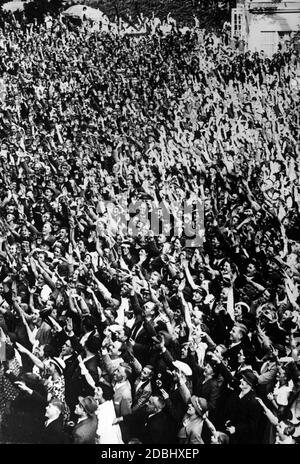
(79, 361)
(85, 430)
(53, 430)
(244, 414)
(76, 382)
(158, 425)
(152, 424)
(207, 386)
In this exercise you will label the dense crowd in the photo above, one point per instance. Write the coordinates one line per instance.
(149, 238)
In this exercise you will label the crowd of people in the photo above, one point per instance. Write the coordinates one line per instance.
(149, 238)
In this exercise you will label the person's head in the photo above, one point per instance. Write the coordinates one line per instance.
(251, 270)
(248, 381)
(49, 304)
(56, 366)
(54, 409)
(86, 406)
(184, 350)
(63, 233)
(149, 309)
(143, 254)
(13, 249)
(87, 259)
(10, 218)
(98, 395)
(244, 357)
(283, 431)
(197, 406)
(125, 289)
(234, 221)
(147, 372)
(282, 377)
(92, 344)
(155, 404)
(46, 217)
(226, 267)
(199, 295)
(67, 349)
(220, 350)
(36, 318)
(25, 233)
(57, 251)
(241, 309)
(134, 441)
(125, 248)
(81, 245)
(47, 228)
(208, 370)
(114, 349)
(237, 333)
(177, 244)
(224, 295)
(219, 438)
(155, 278)
(161, 239)
(121, 373)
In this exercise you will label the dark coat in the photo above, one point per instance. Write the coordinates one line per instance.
(75, 383)
(246, 415)
(210, 391)
(85, 432)
(25, 421)
(156, 429)
(54, 432)
(232, 355)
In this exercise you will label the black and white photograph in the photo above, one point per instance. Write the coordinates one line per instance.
(149, 225)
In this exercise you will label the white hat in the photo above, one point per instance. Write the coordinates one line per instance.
(59, 363)
(183, 367)
(115, 328)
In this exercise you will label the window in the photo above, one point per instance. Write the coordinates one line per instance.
(270, 40)
(237, 23)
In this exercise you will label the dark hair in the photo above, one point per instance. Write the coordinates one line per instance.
(134, 441)
(10, 352)
(289, 430)
(88, 323)
(223, 438)
(49, 350)
(93, 344)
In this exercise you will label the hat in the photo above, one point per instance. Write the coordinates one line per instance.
(200, 404)
(250, 378)
(243, 304)
(183, 367)
(200, 290)
(125, 245)
(115, 328)
(89, 404)
(59, 363)
(187, 292)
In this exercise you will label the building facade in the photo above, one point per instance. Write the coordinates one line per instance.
(264, 24)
